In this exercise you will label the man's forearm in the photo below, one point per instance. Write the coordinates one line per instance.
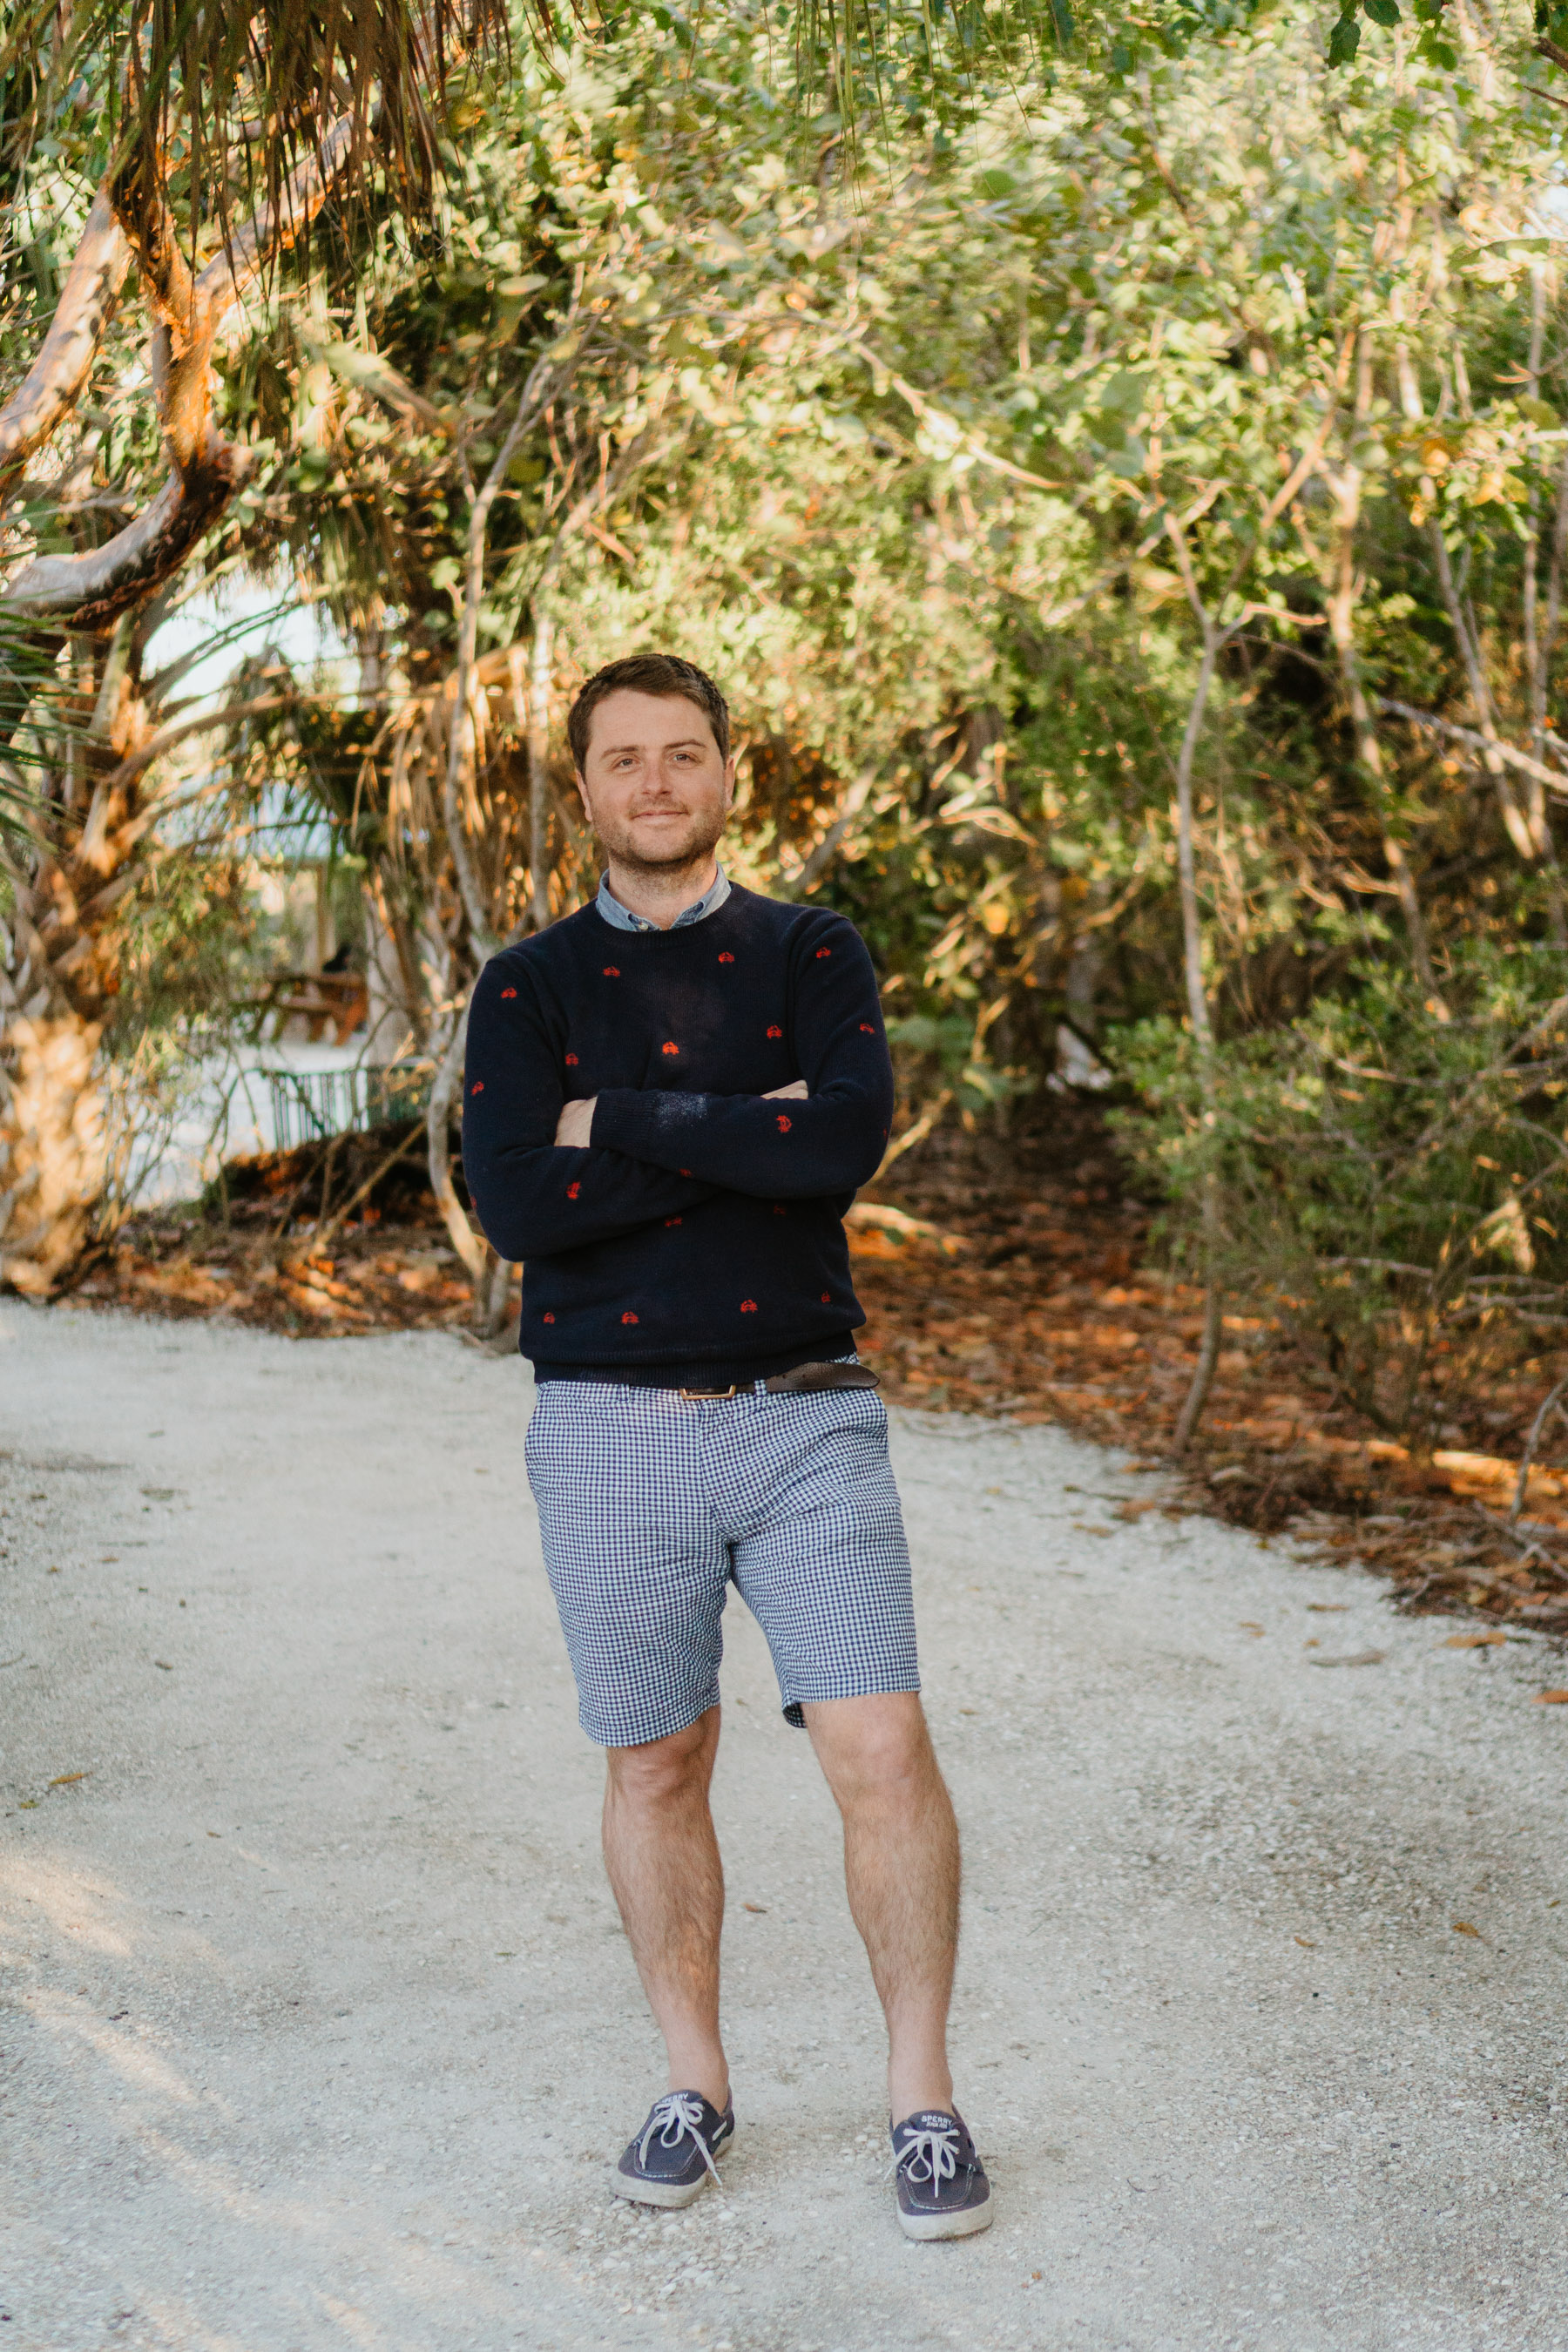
(574, 1128)
(811, 1146)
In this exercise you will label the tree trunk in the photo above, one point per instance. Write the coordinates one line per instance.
(1203, 1032)
(1343, 594)
(59, 982)
(60, 972)
(53, 1156)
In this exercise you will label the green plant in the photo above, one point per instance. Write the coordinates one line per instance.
(1393, 1184)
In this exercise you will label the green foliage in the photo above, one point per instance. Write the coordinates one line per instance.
(940, 428)
(1394, 1184)
(1431, 46)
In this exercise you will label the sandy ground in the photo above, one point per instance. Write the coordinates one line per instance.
(322, 2028)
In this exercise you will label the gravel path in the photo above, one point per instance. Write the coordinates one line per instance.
(322, 2027)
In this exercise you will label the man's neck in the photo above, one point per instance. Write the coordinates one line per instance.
(659, 895)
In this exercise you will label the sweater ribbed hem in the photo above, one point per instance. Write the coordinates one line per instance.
(730, 1373)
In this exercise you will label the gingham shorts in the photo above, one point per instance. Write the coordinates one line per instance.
(649, 1505)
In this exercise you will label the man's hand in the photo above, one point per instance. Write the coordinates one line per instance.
(797, 1091)
(576, 1124)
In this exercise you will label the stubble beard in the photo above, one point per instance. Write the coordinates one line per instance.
(706, 834)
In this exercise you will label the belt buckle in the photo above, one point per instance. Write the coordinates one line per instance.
(709, 1396)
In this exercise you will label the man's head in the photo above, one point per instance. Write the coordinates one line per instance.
(650, 742)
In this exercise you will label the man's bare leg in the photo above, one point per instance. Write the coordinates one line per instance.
(902, 1868)
(663, 1862)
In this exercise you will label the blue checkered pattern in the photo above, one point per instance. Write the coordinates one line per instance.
(649, 1505)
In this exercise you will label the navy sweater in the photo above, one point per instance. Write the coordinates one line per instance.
(701, 1232)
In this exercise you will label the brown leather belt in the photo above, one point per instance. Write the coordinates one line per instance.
(804, 1379)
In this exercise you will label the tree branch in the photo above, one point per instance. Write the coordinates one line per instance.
(49, 389)
(1552, 778)
(277, 227)
(90, 590)
(462, 745)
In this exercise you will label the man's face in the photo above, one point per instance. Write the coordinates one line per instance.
(654, 788)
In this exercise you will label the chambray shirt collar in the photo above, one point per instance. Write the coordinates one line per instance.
(621, 918)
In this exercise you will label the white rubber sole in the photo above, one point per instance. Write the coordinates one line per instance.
(965, 2224)
(658, 2193)
(655, 2192)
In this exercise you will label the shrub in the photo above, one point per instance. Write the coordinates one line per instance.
(1393, 1183)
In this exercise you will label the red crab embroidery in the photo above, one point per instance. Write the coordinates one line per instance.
(868, 1029)
(773, 1029)
(671, 1220)
(748, 1306)
(779, 1209)
(612, 971)
(477, 1088)
(506, 992)
(669, 1048)
(784, 1124)
(572, 1191)
(628, 1316)
(550, 1318)
(571, 1061)
(686, 1172)
(726, 957)
(828, 1298)
(821, 952)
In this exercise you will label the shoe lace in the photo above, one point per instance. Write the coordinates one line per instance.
(676, 2116)
(935, 2151)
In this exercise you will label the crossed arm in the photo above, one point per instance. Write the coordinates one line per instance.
(547, 1176)
(574, 1128)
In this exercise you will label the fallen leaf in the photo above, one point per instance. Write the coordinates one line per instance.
(1247, 1625)
(1131, 1510)
(1551, 1698)
(1357, 1658)
(1306, 1943)
(1474, 1641)
(168, 1669)
(1327, 1608)
(761, 1907)
(64, 1780)
(1312, 1645)
(1463, 1927)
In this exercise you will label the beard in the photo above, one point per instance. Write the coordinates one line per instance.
(691, 844)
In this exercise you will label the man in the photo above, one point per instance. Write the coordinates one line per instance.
(670, 1099)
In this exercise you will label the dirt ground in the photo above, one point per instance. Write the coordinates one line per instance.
(321, 2028)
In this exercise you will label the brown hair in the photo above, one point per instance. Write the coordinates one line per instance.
(665, 675)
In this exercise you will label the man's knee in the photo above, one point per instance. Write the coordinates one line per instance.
(664, 1771)
(874, 1747)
